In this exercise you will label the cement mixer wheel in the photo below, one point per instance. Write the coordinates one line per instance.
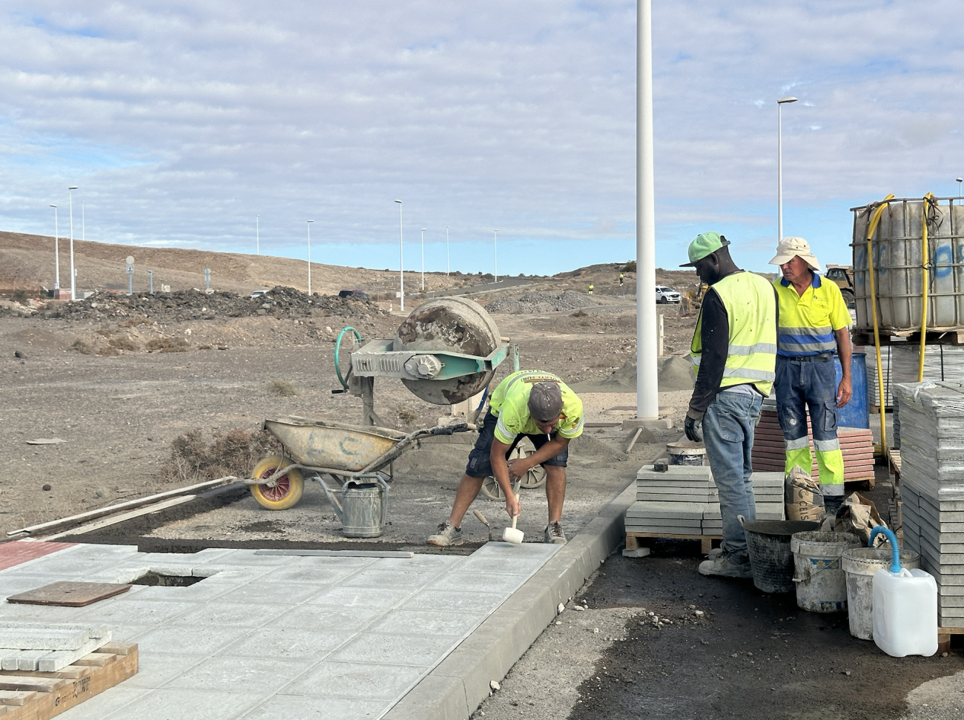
(534, 479)
(287, 489)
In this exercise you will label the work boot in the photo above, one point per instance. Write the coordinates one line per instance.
(554, 534)
(447, 536)
(714, 553)
(728, 565)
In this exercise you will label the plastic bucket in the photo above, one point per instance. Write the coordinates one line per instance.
(768, 542)
(817, 573)
(685, 453)
(859, 565)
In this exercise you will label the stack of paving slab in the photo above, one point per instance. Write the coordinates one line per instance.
(43, 647)
(900, 364)
(932, 487)
(684, 500)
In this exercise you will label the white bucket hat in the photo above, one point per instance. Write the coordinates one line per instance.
(795, 246)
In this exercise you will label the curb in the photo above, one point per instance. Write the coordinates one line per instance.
(456, 687)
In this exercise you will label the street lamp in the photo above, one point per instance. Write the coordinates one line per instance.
(495, 246)
(959, 181)
(83, 221)
(446, 251)
(423, 259)
(401, 258)
(257, 234)
(73, 279)
(780, 103)
(309, 257)
(56, 252)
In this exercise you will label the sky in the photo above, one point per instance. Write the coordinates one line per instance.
(226, 126)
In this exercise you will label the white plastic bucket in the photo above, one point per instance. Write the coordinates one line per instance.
(859, 565)
(820, 580)
(685, 453)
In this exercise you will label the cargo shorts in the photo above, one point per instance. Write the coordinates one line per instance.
(480, 466)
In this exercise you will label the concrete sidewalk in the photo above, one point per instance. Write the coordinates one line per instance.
(273, 635)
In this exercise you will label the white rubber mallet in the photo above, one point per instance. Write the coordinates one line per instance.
(511, 535)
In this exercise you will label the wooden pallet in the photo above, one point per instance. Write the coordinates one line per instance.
(865, 336)
(40, 695)
(944, 636)
(706, 541)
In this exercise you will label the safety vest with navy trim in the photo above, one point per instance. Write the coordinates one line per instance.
(751, 313)
(808, 321)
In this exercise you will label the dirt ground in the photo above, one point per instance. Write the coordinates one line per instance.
(117, 414)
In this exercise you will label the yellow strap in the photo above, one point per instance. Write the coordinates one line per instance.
(930, 203)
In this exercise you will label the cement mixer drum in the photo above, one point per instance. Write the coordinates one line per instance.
(450, 325)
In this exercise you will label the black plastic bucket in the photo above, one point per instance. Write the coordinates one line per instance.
(768, 542)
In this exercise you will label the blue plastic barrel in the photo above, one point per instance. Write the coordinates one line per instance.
(856, 413)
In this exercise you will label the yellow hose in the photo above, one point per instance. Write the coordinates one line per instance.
(929, 202)
(871, 229)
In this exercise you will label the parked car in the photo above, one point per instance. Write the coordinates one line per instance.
(258, 293)
(361, 295)
(667, 295)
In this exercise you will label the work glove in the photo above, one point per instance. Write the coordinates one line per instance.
(693, 429)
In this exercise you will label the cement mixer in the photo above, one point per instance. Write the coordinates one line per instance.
(446, 351)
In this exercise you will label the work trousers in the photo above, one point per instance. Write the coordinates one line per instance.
(728, 427)
(802, 386)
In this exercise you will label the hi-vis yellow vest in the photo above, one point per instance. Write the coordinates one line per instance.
(751, 312)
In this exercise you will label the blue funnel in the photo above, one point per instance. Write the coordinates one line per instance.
(895, 565)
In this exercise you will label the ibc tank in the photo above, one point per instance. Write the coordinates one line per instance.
(898, 275)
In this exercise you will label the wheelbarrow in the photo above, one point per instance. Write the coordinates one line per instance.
(351, 455)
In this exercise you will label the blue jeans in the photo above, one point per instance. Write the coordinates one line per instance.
(728, 435)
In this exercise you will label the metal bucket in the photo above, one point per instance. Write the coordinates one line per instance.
(860, 564)
(768, 542)
(363, 508)
(819, 577)
(685, 453)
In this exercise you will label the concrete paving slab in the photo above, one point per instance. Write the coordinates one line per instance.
(267, 675)
(289, 642)
(193, 638)
(420, 650)
(309, 708)
(355, 680)
(155, 669)
(182, 704)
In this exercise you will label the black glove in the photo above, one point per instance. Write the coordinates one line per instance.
(694, 429)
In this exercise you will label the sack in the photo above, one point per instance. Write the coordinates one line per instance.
(859, 516)
(802, 496)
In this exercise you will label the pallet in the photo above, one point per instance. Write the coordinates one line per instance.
(954, 336)
(706, 541)
(893, 462)
(42, 695)
(944, 636)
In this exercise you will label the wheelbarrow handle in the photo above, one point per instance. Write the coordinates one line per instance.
(449, 429)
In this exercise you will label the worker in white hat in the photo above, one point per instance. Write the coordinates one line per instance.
(813, 323)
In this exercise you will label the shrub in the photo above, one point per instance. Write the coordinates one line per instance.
(83, 347)
(123, 343)
(282, 388)
(234, 453)
(164, 344)
(630, 266)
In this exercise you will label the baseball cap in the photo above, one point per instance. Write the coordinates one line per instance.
(795, 246)
(545, 401)
(704, 244)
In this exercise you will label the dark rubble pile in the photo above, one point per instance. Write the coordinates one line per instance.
(540, 302)
(281, 302)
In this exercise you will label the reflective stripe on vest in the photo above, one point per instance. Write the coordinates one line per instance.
(751, 312)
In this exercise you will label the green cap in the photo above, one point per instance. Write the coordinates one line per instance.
(705, 244)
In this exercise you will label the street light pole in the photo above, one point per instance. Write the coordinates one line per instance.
(423, 259)
(73, 279)
(56, 252)
(446, 251)
(780, 103)
(959, 181)
(83, 221)
(257, 234)
(401, 258)
(495, 246)
(309, 257)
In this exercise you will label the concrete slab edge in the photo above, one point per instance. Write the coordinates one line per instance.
(459, 684)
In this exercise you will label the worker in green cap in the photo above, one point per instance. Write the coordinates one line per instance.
(734, 353)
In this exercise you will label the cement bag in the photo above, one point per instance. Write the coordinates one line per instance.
(859, 516)
(802, 496)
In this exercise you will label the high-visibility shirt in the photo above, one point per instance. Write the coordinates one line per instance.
(751, 316)
(808, 321)
(510, 404)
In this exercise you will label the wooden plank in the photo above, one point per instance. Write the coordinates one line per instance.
(706, 541)
(69, 594)
(29, 683)
(16, 697)
(96, 659)
(70, 693)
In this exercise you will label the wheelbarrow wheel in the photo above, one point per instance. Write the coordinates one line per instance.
(535, 478)
(287, 489)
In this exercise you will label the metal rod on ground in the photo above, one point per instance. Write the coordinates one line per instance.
(122, 506)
